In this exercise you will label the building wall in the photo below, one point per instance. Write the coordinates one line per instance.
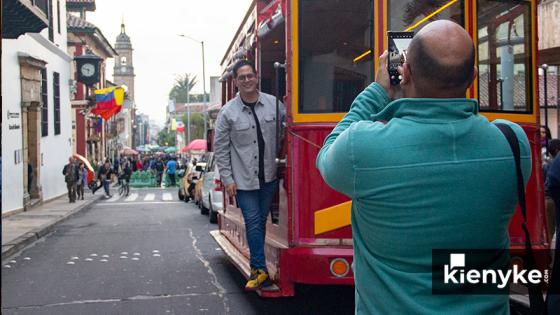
(55, 149)
(549, 24)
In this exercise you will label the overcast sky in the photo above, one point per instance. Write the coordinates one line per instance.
(159, 54)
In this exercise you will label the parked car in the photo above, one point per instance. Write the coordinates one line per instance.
(191, 173)
(212, 197)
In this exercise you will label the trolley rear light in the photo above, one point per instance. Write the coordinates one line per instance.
(217, 185)
(339, 267)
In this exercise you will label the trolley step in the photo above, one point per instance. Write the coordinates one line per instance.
(242, 263)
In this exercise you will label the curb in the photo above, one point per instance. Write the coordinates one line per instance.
(36, 234)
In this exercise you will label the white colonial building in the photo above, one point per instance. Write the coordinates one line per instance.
(36, 111)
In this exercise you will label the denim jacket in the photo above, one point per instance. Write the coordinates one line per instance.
(235, 141)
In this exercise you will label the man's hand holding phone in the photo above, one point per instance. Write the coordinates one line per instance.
(382, 76)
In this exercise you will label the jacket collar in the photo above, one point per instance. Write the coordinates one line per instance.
(429, 109)
(245, 107)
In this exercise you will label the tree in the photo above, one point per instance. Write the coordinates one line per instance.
(198, 98)
(182, 87)
(166, 138)
(197, 126)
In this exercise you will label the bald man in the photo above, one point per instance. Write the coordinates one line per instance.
(424, 172)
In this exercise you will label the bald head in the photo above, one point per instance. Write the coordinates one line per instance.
(441, 58)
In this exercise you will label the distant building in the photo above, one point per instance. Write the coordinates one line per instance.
(142, 123)
(123, 75)
(89, 131)
(36, 110)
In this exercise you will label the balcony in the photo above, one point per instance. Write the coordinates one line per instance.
(23, 16)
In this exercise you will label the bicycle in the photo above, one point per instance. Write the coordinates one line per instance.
(124, 188)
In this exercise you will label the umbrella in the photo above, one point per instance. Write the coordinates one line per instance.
(91, 172)
(129, 151)
(198, 144)
(86, 162)
(171, 150)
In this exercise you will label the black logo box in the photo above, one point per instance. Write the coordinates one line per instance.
(490, 259)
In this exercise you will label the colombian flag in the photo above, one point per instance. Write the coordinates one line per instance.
(108, 101)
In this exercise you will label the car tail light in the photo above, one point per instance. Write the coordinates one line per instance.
(217, 185)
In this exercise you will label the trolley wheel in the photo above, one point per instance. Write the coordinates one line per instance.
(203, 210)
(212, 215)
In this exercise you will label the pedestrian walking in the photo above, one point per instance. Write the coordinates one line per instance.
(104, 176)
(424, 172)
(82, 180)
(139, 165)
(245, 151)
(171, 169)
(70, 172)
(160, 167)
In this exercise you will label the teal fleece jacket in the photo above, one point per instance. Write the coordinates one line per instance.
(423, 174)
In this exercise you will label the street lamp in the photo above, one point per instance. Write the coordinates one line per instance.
(203, 83)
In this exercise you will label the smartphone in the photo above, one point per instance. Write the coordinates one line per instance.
(398, 44)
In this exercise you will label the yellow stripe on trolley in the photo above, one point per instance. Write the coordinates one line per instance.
(333, 218)
(429, 16)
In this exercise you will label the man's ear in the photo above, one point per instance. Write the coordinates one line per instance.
(474, 73)
(404, 70)
(473, 76)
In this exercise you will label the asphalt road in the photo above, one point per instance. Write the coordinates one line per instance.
(146, 254)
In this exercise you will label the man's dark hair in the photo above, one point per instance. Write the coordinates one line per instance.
(424, 67)
(242, 63)
(554, 147)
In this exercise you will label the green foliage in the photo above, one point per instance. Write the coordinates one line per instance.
(166, 138)
(182, 87)
(198, 98)
(197, 126)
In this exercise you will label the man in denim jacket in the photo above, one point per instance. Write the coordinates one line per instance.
(245, 151)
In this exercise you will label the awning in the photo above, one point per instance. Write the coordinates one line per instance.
(198, 145)
(269, 18)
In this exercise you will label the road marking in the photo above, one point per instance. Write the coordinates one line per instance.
(150, 197)
(167, 197)
(132, 197)
(114, 198)
(139, 203)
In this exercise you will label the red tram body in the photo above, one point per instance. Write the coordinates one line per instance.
(330, 51)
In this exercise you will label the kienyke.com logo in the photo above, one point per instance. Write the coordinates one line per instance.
(456, 273)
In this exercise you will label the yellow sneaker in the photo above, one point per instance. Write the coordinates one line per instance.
(258, 278)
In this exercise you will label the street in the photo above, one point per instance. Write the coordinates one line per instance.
(148, 253)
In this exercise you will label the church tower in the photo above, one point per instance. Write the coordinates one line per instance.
(123, 72)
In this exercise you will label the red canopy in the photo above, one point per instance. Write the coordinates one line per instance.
(198, 144)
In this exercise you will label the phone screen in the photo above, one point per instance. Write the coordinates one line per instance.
(398, 44)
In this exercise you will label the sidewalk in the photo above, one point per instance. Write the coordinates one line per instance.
(24, 228)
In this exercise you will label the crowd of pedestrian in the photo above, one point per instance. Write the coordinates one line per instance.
(116, 171)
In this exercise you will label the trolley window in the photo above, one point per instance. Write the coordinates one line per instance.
(504, 56)
(412, 15)
(332, 35)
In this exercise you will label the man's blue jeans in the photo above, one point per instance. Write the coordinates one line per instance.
(255, 206)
